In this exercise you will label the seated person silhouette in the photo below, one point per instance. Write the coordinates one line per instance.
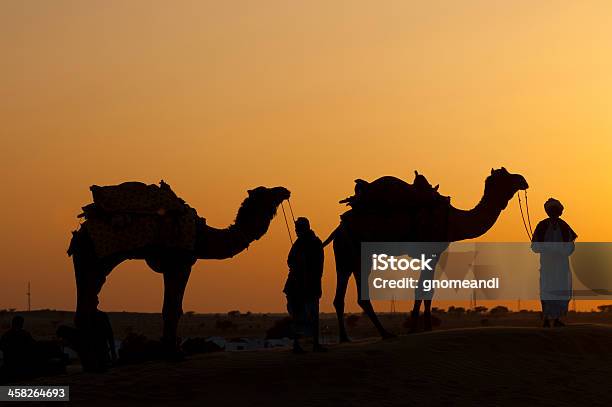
(17, 345)
(554, 239)
(303, 286)
(103, 352)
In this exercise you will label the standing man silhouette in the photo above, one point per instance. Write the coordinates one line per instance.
(303, 286)
(554, 239)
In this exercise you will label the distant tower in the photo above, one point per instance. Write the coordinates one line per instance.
(473, 300)
(29, 294)
(393, 305)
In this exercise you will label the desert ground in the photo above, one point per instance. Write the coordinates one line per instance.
(490, 366)
(463, 362)
(42, 324)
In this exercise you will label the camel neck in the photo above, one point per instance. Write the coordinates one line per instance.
(469, 224)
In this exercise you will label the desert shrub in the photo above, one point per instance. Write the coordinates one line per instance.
(480, 309)
(605, 308)
(499, 310)
(456, 310)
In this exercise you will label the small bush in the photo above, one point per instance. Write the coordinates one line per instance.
(499, 310)
(605, 308)
(480, 309)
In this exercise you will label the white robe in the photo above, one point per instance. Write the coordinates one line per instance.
(555, 272)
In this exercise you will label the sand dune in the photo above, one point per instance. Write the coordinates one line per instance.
(500, 365)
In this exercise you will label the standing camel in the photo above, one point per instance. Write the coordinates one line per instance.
(435, 220)
(251, 223)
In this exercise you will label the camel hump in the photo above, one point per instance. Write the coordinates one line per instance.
(134, 215)
(136, 197)
(392, 193)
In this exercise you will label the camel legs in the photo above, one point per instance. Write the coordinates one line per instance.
(348, 262)
(427, 316)
(342, 280)
(368, 309)
(414, 316)
(90, 276)
(175, 282)
(89, 282)
(366, 305)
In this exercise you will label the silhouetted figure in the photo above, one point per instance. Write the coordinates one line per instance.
(17, 345)
(303, 286)
(554, 239)
(95, 344)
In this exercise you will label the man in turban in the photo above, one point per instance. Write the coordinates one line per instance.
(554, 240)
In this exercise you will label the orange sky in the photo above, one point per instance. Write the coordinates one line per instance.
(218, 97)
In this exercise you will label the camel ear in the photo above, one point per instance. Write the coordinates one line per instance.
(250, 192)
(504, 169)
(416, 173)
(492, 171)
(436, 187)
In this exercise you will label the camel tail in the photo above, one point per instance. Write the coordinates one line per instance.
(331, 237)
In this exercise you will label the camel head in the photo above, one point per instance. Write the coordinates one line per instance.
(501, 186)
(258, 210)
(269, 196)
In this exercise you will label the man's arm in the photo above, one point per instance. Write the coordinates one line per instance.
(292, 257)
(320, 259)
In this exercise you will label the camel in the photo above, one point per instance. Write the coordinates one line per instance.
(433, 219)
(251, 223)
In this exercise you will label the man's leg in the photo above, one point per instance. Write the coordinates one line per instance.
(293, 308)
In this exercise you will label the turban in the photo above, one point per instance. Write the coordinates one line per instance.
(552, 204)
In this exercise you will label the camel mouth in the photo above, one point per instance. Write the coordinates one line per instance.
(520, 182)
(282, 193)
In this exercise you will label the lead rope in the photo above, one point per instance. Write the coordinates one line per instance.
(287, 223)
(523, 216)
(291, 209)
(527, 210)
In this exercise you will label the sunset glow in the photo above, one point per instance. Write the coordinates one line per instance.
(216, 98)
